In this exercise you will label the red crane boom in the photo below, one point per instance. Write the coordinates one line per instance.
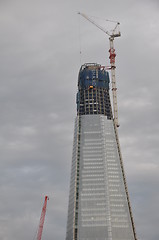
(42, 218)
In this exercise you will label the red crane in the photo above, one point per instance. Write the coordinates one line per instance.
(42, 218)
(115, 33)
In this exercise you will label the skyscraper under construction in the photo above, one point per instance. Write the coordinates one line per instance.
(99, 207)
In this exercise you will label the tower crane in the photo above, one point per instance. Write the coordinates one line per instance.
(42, 218)
(112, 56)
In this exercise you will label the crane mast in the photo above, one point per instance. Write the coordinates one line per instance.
(112, 62)
(42, 218)
(113, 77)
(112, 56)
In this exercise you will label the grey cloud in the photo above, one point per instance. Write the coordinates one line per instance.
(39, 66)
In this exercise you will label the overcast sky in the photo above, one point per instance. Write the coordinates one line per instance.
(40, 44)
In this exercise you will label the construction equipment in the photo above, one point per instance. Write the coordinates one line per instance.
(112, 56)
(42, 218)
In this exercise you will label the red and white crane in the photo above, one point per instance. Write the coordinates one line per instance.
(42, 218)
(112, 56)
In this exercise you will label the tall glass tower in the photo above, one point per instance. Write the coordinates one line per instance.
(99, 207)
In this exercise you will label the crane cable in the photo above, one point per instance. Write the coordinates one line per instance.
(107, 20)
(79, 35)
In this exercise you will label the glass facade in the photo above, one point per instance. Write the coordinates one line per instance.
(99, 207)
(102, 209)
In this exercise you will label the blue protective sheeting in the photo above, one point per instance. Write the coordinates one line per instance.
(93, 77)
